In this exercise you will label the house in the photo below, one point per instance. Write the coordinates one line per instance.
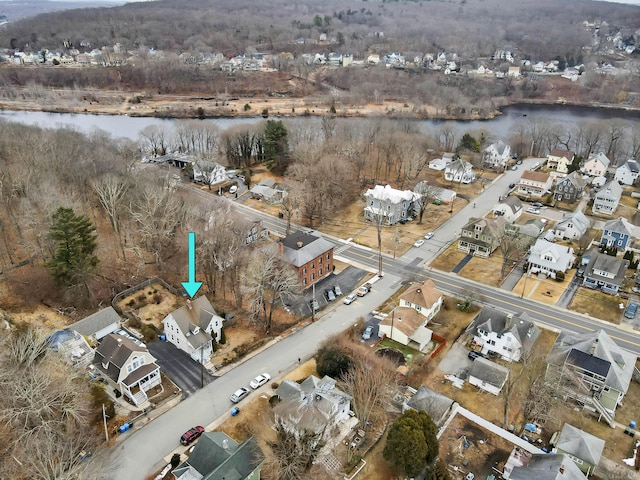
(572, 226)
(497, 155)
(459, 171)
(314, 405)
(481, 236)
(407, 323)
(514, 71)
(548, 467)
(510, 208)
(628, 172)
(596, 166)
(217, 456)
(192, 327)
(581, 447)
(549, 258)
(438, 406)
(534, 184)
(72, 346)
(373, 59)
(509, 336)
(606, 200)
(97, 325)
(604, 271)
(446, 195)
(387, 205)
(208, 173)
(570, 188)
(127, 367)
(560, 160)
(532, 229)
(439, 163)
(309, 254)
(590, 368)
(617, 233)
(488, 376)
(269, 191)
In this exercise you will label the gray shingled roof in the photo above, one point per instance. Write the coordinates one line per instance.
(300, 248)
(580, 444)
(605, 263)
(578, 219)
(601, 346)
(618, 225)
(576, 179)
(200, 314)
(217, 456)
(434, 403)
(548, 467)
(493, 320)
(489, 372)
(95, 322)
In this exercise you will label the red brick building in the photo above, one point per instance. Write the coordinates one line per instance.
(311, 256)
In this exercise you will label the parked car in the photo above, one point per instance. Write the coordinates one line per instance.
(363, 290)
(533, 210)
(429, 236)
(366, 335)
(233, 189)
(473, 355)
(418, 243)
(337, 290)
(314, 304)
(630, 311)
(329, 295)
(581, 272)
(191, 435)
(515, 167)
(349, 299)
(512, 185)
(519, 162)
(260, 380)
(537, 204)
(239, 394)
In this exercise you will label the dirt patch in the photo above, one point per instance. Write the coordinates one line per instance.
(542, 289)
(151, 304)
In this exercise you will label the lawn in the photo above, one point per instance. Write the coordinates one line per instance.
(545, 290)
(597, 304)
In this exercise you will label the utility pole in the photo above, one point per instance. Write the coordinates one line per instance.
(313, 303)
(104, 419)
(395, 243)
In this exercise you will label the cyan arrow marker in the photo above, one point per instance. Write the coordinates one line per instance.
(192, 286)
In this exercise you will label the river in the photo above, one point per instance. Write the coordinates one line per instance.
(502, 126)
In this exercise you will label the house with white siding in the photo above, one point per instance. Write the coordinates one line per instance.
(628, 172)
(596, 165)
(607, 199)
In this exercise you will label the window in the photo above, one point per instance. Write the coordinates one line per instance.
(320, 261)
(304, 271)
(304, 281)
(313, 265)
(327, 256)
(319, 273)
(313, 276)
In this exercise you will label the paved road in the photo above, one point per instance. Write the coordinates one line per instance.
(141, 451)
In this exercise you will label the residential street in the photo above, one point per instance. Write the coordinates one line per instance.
(140, 451)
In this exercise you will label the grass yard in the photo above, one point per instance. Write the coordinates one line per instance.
(597, 304)
(545, 290)
(448, 259)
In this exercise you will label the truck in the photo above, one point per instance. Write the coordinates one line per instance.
(363, 290)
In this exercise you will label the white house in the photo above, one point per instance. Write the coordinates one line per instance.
(388, 204)
(488, 376)
(407, 323)
(628, 173)
(572, 226)
(497, 155)
(191, 328)
(459, 171)
(606, 200)
(314, 405)
(209, 173)
(596, 166)
(128, 367)
(534, 184)
(439, 163)
(548, 258)
(509, 336)
(510, 209)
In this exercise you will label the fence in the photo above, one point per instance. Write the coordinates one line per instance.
(135, 288)
(442, 343)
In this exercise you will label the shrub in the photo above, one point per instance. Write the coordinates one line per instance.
(247, 107)
(175, 460)
(265, 113)
(141, 298)
(275, 385)
(559, 276)
(134, 322)
(157, 298)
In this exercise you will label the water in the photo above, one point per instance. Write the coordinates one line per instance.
(502, 126)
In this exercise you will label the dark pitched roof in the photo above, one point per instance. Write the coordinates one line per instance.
(493, 320)
(580, 444)
(588, 362)
(434, 403)
(217, 456)
(197, 313)
(548, 467)
(299, 248)
(557, 152)
(116, 349)
(489, 372)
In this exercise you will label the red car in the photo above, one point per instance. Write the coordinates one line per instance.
(191, 435)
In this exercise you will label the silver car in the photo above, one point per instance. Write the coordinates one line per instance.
(239, 394)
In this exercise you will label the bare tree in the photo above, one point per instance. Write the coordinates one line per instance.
(154, 140)
(111, 190)
(289, 206)
(511, 247)
(240, 145)
(426, 195)
(293, 452)
(268, 281)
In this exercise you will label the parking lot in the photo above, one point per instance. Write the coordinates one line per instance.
(180, 367)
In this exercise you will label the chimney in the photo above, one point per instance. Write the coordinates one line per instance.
(189, 304)
(594, 346)
(225, 444)
(300, 244)
(419, 290)
(508, 321)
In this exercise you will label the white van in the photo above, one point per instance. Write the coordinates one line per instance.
(233, 189)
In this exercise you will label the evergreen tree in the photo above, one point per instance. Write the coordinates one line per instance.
(411, 443)
(276, 147)
(73, 258)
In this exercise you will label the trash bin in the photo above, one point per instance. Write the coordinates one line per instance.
(235, 411)
(124, 428)
(163, 338)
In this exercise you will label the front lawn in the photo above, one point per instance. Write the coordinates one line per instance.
(597, 304)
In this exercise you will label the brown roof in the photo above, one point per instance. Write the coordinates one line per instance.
(557, 152)
(424, 294)
(535, 176)
(405, 319)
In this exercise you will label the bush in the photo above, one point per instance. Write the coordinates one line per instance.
(157, 298)
(559, 276)
(265, 113)
(333, 361)
(134, 322)
(175, 460)
(247, 107)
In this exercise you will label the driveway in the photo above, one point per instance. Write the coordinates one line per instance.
(180, 367)
(456, 361)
